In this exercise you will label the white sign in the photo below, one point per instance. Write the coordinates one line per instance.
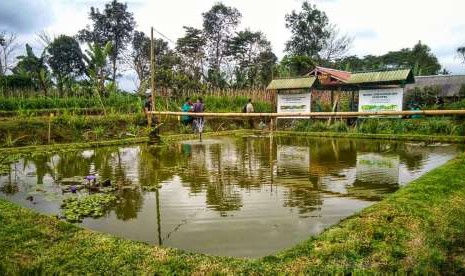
(380, 100)
(293, 158)
(294, 102)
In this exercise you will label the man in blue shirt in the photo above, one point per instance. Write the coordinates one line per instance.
(187, 107)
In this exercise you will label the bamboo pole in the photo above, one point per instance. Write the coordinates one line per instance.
(316, 114)
(152, 68)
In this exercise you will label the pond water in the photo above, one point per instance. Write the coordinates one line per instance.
(250, 196)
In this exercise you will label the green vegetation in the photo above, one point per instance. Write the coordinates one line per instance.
(119, 102)
(423, 126)
(418, 229)
(75, 209)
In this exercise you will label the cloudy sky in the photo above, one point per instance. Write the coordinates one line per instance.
(376, 26)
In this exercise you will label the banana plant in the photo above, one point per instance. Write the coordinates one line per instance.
(96, 59)
(34, 67)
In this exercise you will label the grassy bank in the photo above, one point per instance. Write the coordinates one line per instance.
(33, 131)
(66, 128)
(420, 228)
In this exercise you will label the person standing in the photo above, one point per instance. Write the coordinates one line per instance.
(249, 109)
(148, 106)
(187, 107)
(199, 107)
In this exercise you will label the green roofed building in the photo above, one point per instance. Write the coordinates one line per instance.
(339, 88)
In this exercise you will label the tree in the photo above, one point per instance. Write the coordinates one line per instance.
(309, 31)
(8, 46)
(296, 65)
(246, 49)
(96, 59)
(265, 64)
(461, 53)
(191, 47)
(114, 25)
(34, 67)
(65, 59)
(139, 58)
(219, 24)
(336, 45)
(426, 61)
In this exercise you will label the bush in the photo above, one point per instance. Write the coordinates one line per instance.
(15, 82)
(423, 96)
(339, 127)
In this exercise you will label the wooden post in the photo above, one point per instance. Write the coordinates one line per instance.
(49, 127)
(271, 126)
(152, 68)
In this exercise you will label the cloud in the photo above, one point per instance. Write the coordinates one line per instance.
(458, 29)
(365, 34)
(25, 16)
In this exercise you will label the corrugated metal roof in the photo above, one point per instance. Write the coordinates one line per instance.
(297, 83)
(337, 74)
(382, 77)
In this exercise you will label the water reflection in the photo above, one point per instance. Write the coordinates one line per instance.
(245, 197)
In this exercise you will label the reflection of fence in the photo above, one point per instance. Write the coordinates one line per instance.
(320, 114)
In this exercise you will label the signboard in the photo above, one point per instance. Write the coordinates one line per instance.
(380, 100)
(294, 102)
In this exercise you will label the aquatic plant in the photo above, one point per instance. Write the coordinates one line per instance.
(75, 209)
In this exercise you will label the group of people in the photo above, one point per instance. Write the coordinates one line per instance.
(197, 107)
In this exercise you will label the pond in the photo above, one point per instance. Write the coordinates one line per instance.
(250, 196)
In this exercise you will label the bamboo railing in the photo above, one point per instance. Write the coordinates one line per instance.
(316, 114)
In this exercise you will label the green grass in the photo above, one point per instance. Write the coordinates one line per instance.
(419, 229)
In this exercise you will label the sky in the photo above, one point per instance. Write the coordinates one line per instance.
(376, 26)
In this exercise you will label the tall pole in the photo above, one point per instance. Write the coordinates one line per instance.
(152, 68)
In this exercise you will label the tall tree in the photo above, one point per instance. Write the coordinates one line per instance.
(426, 61)
(115, 24)
(419, 58)
(139, 58)
(246, 49)
(191, 47)
(34, 67)
(265, 64)
(336, 45)
(309, 31)
(219, 24)
(8, 46)
(65, 59)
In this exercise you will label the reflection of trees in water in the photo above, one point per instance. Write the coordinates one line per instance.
(129, 205)
(306, 199)
(43, 168)
(11, 186)
(412, 157)
(107, 162)
(223, 198)
(207, 172)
